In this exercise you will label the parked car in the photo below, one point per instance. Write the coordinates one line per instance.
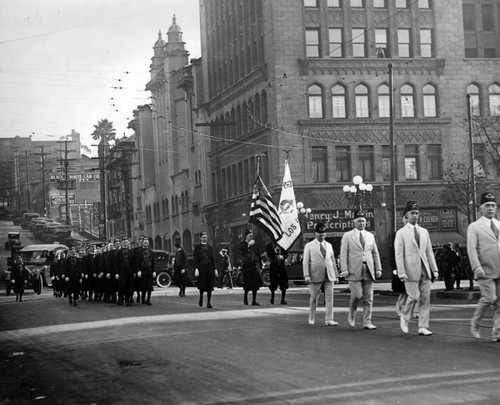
(293, 264)
(13, 239)
(28, 216)
(37, 260)
(164, 272)
(54, 234)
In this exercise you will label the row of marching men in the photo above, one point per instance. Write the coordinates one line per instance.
(110, 274)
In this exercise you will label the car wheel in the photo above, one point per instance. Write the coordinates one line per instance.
(163, 279)
(266, 278)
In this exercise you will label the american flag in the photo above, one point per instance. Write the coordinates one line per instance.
(263, 212)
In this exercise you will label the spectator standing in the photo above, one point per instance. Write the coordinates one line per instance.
(225, 269)
(448, 263)
(483, 248)
(319, 270)
(19, 275)
(205, 268)
(251, 267)
(360, 266)
(416, 267)
(180, 269)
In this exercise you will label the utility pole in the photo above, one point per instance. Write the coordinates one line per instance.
(393, 151)
(471, 162)
(27, 180)
(102, 173)
(67, 182)
(42, 167)
(16, 179)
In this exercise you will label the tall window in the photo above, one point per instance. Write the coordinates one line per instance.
(426, 43)
(430, 109)
(404, 43)
(338, 101)
(494, 95)
(343, 160)
(475, 107)
(386, 162)
(315, 98)
(411, 162)
(488, 17)
(310, 3)
(334, 3)
(434, 160)
(366, 162)
(312, 42)
(384, 108)
(319, 164)
(335, 45)
(357, 3)
(358, 42)
(469, 13)
(424, 4)
(379, 4)
(361, 98)
(407, 105)
(381, 43)
(402, 3)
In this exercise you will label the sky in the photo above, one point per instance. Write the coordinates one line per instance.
(66, 64)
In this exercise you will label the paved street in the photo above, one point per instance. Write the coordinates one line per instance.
(175, 352)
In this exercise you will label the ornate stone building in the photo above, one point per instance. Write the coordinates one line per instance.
(312, 77)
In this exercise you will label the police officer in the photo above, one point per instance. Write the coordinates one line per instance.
(125, 270)
(72, 276)
(146, 271)
(136, 283)
(277, 271)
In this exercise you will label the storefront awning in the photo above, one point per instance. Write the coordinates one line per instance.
(440, 238)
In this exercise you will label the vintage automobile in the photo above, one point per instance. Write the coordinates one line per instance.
(164, 272)
(13, 239)
(37, 260)
(293, 264)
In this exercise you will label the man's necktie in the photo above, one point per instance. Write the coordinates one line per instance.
(323, 250)
(417, 236)
(362, 240)
(494, 229)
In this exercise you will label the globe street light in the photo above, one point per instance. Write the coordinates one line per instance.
(356, 193)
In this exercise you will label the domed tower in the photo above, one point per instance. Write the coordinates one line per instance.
(158, 55)
(176, 55)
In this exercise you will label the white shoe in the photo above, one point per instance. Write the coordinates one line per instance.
(311, 321)
(424, 332)
(403, 324)
(331, 323)
(351, 320)
(474, 330)
(370, 326)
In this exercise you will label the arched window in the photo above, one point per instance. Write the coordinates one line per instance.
(257, 110)
(238, 121)
(494, 95)
(251, 115)
(430, 105)
(338, 101)
(232, 128)
(263, 103)
(384, 107)
(362, 104)
(244, 119)
(475, 105)
(407, 105)
(227, 128)
(315, 100)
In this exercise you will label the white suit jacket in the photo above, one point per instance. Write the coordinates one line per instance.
(483, 248)
(317, 267)
(351, 255)
(409, 256)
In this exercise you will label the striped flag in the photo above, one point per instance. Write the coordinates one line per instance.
(263, 212)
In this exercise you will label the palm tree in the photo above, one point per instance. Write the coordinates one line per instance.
(104, 131)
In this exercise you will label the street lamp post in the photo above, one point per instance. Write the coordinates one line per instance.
(303, 213)
(355, 194)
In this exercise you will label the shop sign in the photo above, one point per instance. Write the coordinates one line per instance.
(337, 222)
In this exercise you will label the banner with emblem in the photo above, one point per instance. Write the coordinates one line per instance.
(288, 213)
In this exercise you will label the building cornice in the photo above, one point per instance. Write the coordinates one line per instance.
(375, 66)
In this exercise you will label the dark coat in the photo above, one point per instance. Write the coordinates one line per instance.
(204, 261)
(180, 263)
(277, 269)
(250, 258)
(145, 262)
(125, 268)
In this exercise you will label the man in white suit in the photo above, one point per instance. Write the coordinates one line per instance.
(318, 267)
(360, 265)
(416, 267)
(483, 248)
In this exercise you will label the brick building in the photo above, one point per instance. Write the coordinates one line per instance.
(312, 77)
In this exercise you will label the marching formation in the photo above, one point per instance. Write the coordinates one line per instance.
(111, 274)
